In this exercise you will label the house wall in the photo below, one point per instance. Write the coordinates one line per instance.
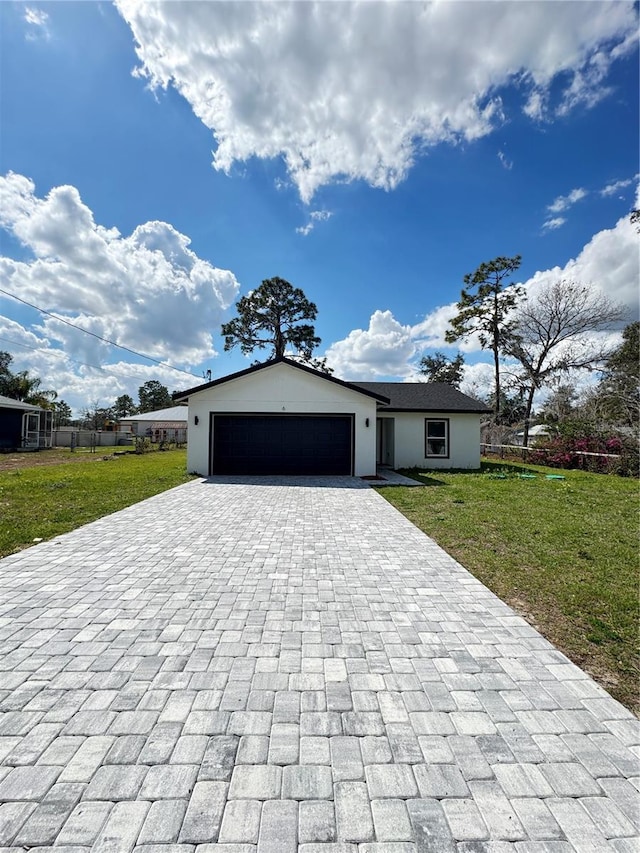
(281, 389)
(10, 428)
(166, 429)
(409, 449)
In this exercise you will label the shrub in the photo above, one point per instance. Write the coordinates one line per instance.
(580, 444)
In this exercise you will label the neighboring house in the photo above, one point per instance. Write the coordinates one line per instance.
(23, 426)
(162, 425)
(282, 417)
(536, 433)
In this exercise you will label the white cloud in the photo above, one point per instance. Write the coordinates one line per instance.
(561, 204)
(506, 163)
(345, 91)
(552, 224)
(38, 17)
(314, 216)
(430, 332)
(478, 380)
(564, 202)
(38, 23)
(609, 263)
(384, 349)
(147, 291)
(615, 187)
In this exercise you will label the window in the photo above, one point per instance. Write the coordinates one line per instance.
(437, 438)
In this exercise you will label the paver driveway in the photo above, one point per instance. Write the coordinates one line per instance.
(291, 666)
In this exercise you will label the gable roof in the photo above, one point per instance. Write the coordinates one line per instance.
(380, 396)
(424, 397)
(10, 403)
(174, 413)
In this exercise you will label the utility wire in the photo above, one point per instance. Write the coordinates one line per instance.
(99, 337)
(50, 351)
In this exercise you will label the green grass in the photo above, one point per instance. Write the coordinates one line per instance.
(41, 502)
(564, 553)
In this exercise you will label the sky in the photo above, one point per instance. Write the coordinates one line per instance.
(159, 160)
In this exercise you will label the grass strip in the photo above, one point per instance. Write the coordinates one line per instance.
(562, 552)
(42, 502)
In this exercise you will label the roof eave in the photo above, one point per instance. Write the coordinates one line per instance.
(184, 395)
(442, 409)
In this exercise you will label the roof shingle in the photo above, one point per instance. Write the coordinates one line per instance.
(423, 397)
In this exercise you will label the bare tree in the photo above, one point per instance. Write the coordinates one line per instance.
(554, 334)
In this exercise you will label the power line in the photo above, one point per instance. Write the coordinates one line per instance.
(99, 337)
(50, 351)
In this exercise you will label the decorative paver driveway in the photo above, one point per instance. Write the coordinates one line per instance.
(291, 666)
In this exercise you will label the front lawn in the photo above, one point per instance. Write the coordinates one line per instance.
(562, 552)
(38, 502)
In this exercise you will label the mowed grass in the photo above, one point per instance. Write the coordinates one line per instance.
(563, 553)
(43, 501)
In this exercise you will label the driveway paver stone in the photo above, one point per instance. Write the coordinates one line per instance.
(245, 665)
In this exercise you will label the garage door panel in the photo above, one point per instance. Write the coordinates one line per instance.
(282, 444)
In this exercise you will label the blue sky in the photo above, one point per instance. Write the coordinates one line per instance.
(160, 160)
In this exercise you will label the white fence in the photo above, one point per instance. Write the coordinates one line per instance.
(490, 447)
(89, 438)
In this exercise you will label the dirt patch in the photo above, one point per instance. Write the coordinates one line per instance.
(36, 459)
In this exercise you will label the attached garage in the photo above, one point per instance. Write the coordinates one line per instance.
(281, 417)
(281, 444)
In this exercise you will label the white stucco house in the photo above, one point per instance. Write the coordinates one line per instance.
(282, 417)
(162, 425)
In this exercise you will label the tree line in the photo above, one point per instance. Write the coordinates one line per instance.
(536, 342)
(26, 388)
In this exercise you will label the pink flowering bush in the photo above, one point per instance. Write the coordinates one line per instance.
(580, 445)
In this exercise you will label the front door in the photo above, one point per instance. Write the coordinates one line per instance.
(385, 436)
(31, 429)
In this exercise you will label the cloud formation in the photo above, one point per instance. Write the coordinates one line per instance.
(614, 187)
(314, 217)
(384, 349)
(37, 21)
(147, 291)
(564, 202)
(554, 223)
(609, 262)
(354, 90)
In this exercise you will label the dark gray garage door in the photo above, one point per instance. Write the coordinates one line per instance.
(281, 444)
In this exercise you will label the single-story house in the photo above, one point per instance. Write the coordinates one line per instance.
(283, 417)
(538, 432)
(162, 425)
(23, 426)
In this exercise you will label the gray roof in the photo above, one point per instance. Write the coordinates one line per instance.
(423, 397)
(174, 413)
(10, 403)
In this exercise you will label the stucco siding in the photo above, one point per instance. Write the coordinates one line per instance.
(281, 389)
(409, 445)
